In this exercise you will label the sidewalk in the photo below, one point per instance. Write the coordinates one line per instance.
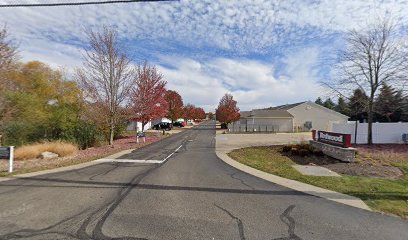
(225, 143)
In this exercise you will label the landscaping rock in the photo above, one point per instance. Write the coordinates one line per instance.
(48, 155)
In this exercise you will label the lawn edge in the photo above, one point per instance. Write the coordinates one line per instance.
(295, 185)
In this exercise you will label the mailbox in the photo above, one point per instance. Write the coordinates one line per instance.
(4, 152)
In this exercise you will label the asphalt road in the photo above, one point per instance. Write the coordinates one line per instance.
(194, 195)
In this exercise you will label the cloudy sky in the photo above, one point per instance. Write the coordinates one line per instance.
(264, 52)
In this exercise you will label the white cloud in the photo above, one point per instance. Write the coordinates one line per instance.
(252, 83)
(237, 29)
(240, 26)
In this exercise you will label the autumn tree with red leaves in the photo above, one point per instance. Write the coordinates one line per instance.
(199, 113)
(175, 105)
(148, 100)
(189, 112)
(227, 110)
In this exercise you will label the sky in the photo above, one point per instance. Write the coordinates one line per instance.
(264, 52)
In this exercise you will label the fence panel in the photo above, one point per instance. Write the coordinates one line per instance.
(382, 132)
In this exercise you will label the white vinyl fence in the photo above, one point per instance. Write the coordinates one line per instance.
(382, 132)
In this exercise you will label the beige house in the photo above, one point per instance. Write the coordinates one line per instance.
(303, 116)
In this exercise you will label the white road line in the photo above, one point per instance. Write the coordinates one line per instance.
(128, 160)
(108, 160)
(172, 153)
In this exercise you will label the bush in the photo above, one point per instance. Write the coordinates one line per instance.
(303, 152)
(286, 148)
(34, 150)
(85, 134)
(295, 151)
(224, 126)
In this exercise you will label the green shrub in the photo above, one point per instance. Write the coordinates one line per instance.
(85, 134)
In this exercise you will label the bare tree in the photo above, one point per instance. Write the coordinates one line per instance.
(8, 51)
(106, 77)
(372, 56)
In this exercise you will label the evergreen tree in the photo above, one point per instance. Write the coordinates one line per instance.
(389, 104)
(329, 104)
(404, 115)
(358, 105)
(319, 101)
(342, 107)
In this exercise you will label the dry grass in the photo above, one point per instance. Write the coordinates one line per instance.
(383, 154)
(34, 150)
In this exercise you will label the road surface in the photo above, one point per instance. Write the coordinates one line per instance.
(194, 195)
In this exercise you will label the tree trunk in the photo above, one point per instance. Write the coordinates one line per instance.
(370, 122)
(111, 133)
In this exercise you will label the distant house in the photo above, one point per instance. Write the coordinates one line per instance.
(302, 116)
(134, 125)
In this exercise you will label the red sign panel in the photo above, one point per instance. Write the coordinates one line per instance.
(336, 139)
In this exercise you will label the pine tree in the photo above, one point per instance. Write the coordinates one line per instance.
(342, 107)
(389, 104)
(358, 105)
(329, 104)
(319, 101)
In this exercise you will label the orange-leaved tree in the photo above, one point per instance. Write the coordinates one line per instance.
(175, 105)
(227, 110)
(148, 98)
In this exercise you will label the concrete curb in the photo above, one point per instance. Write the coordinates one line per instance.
(295, 185)
(67, 168)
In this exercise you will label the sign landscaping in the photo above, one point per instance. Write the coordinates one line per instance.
(336, 145)
(335, 139)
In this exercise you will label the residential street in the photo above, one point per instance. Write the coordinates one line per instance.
(194, 195)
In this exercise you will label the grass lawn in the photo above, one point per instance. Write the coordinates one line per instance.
(385, 195)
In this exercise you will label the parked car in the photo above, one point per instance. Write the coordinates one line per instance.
(179, 124)
(163, 126)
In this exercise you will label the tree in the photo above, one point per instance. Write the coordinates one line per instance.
(8, 51)
(175, 104)
(389, 104)
(211, 116)
(319, 101)
(8, 55)
(227, 110)
(189, 112)
(329, 104)
(342, 107)
(46, 105)
(358, 105)
(148, 100)
(106, 77)
(372, 56)
(199, 113)
(404, 115)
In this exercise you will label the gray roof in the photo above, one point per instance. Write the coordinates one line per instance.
(286, 106)
(266, 113)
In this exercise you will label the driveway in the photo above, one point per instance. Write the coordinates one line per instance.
(194, 195)
(229, 142)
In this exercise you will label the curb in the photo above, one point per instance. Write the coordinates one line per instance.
(63, 169)
(295, 185)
